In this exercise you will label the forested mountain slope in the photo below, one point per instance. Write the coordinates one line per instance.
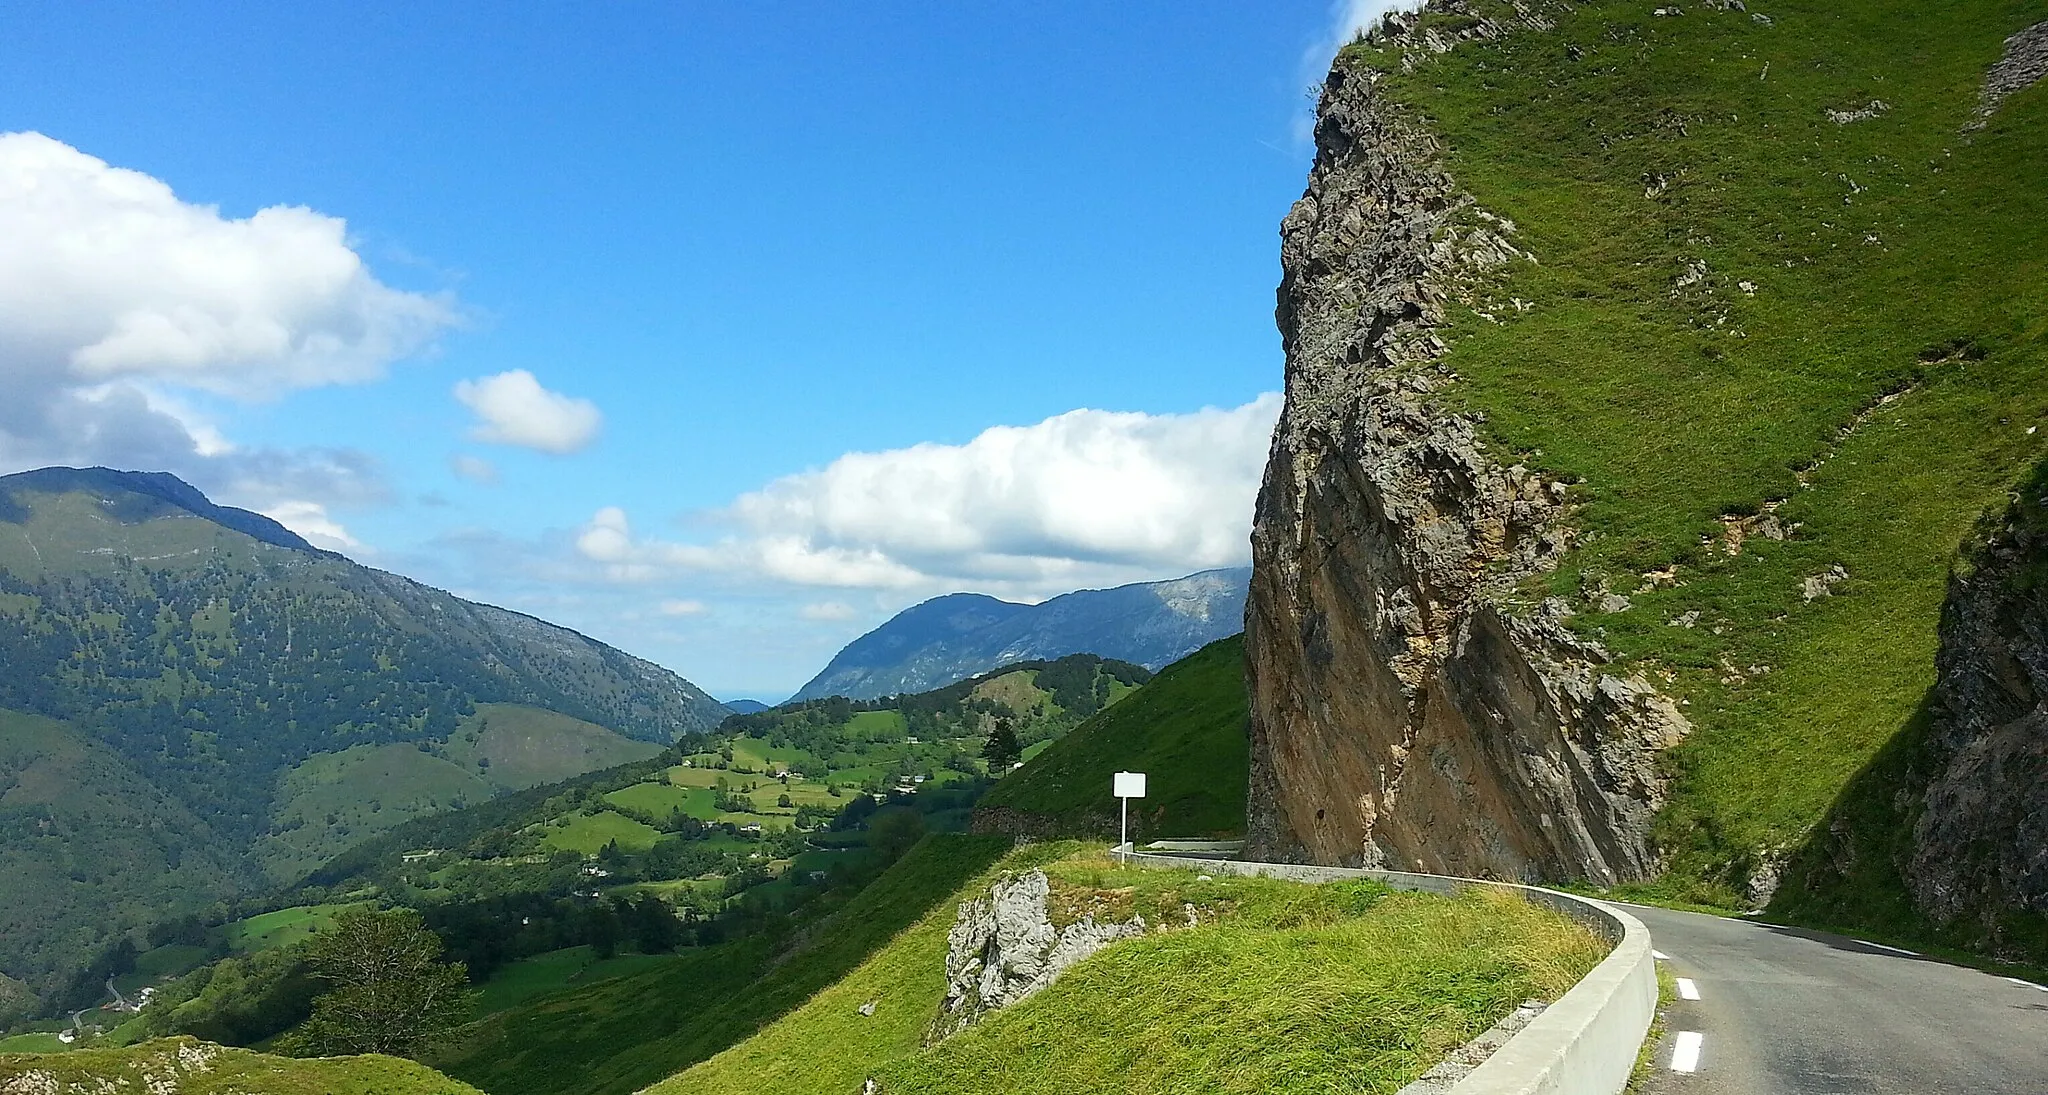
(956, 636)
(1647, 364)
(236, 690)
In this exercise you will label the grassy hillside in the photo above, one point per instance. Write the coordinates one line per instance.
(1184, 729)
(280, 703)
(1747, 314)
(186, 1066)
(1282, 987)
(1040, 700)
(331, 801)
(624, 1033)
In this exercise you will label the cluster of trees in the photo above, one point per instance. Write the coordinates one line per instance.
(484, 935)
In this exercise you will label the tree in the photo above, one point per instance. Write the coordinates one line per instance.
(391, 992)
(602, 928)
(655, 927)
(1001, 749)
(894, 830)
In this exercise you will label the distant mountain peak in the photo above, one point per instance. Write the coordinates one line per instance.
(956, 636)
(136, 496)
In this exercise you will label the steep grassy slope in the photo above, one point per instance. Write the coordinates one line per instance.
(625, 1033)
(186, 1066)
(331, 801)
(1889, 830)
(1184, 729)
(1283, 987)
(1749, 316)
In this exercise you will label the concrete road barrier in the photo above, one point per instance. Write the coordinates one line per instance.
(1584, 1044)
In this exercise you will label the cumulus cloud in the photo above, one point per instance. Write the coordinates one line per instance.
(1082, 496)
(116, 296)
(311, 520)
(513, 409)
(108, 275)
(681, 608)
(830, 611)
(476, 469)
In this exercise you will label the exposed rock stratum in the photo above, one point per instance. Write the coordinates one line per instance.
(1004, 947)
(1405, 712)
(1980, 846)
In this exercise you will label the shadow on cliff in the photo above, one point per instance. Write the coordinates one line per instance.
(1849, 874)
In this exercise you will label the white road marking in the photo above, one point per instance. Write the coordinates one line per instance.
(1894, 950)
(1660, 956)
(2028, 984)
(1685, 1056)
(1687, 990)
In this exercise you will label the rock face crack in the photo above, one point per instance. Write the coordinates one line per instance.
(1403, 715)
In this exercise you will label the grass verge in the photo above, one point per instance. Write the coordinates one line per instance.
(1280, 987)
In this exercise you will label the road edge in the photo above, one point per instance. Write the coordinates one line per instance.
(1584, 1044)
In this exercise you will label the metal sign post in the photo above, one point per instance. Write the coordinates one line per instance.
(1127, 786)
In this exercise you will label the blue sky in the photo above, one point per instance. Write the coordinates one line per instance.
(582, 309)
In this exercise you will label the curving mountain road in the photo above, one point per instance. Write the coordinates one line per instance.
(1784, 1011)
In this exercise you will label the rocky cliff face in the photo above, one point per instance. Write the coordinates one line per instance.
(1981, 842)
(1404, 712)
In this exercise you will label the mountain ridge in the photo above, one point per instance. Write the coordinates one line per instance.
(216, 656)
(157, 486)
(949, 638)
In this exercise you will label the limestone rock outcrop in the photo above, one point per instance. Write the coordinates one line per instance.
(1405, 712)
(1980, 845)
(2023, 64)
(1004, 947)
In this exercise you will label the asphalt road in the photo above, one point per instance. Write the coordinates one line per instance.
(1782, 1011)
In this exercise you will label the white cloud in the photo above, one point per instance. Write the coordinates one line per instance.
(1348, 20)
(311, 520)
(682, 608)
(108, 275)
(1351, 18)
(128, 316)
(826, 611)
(474, 468)
(513, 409)
(1086, 495)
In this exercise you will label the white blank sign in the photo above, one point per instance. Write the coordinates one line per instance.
(1130, 785)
